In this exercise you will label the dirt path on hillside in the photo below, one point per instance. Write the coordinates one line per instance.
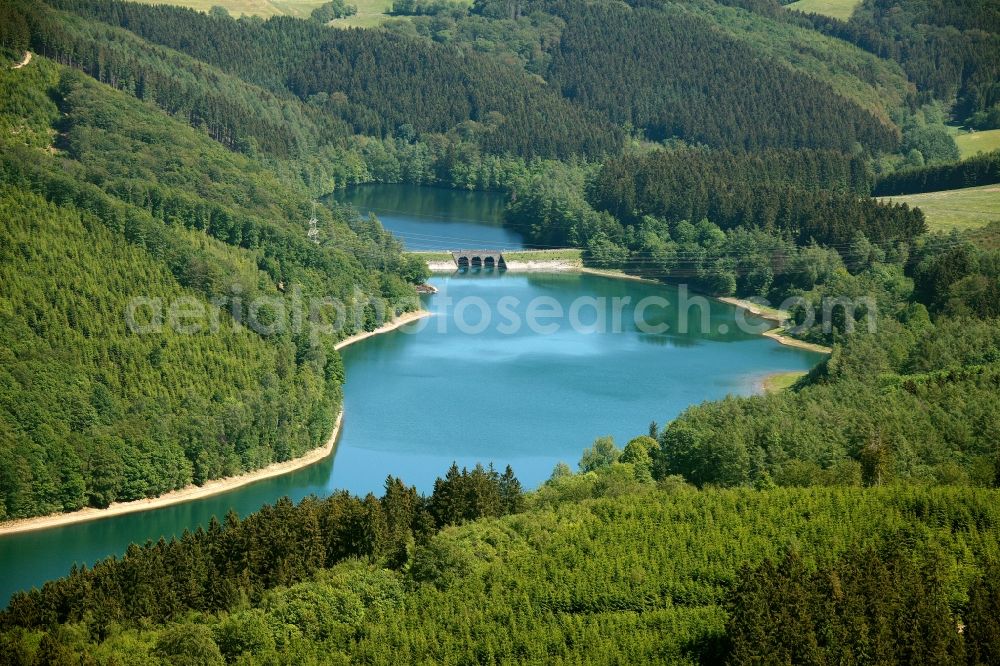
(24, 61)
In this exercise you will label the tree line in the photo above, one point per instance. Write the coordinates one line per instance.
(802, 202)
(212, 569)
(979, 170)
(601, 565)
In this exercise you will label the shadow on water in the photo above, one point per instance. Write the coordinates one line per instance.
(433, 218)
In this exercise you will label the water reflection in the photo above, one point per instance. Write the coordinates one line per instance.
(431, 218)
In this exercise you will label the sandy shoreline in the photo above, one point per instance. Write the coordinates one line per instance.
(618, 275)
(771, 314)
(215, 486)
(778, 317)
(788, 341)
(401, 320)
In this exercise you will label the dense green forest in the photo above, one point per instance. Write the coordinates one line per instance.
(136, 204)
(674, 90)
(504, 107)
(91, 414)
(376, 82)
(806, 195)
(949, 49)
(654, 53)
(598, 566)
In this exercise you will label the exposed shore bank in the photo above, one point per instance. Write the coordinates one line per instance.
(776, 334)
(215, 486)
(617, 275)
(24, 61)
(779, 318)
(401, 320)
(775, 382)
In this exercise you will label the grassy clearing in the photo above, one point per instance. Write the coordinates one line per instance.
(781, 381)
(838, 9)
(969, 208)
(971, 143)
(433, 256)
(569, 254)
(370, 14)
(264, 8)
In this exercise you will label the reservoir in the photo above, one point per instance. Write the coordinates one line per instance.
(432, 218)
(467, 385)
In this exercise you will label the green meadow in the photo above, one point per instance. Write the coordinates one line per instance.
(264, 8)
(970, 143)
(839, 9)
(968, 208)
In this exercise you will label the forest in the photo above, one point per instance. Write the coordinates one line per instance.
(375, 82)
(597, 58)
(674, 91)
(948, 49)
(498, 103)
(602, 565)
(92, 414)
